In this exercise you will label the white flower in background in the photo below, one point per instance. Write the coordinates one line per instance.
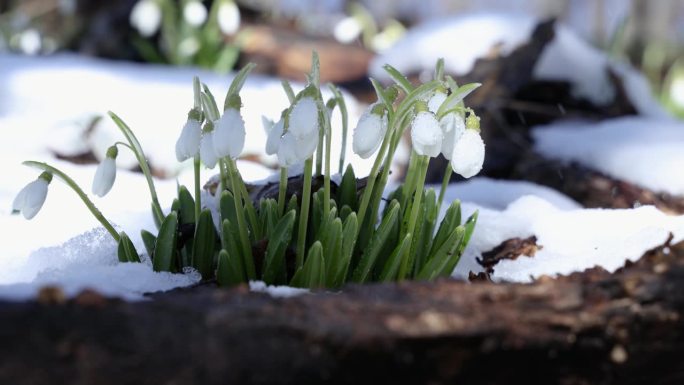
(370, 131)
(468, 154)
(347, 29)
(228, 17)
(187, 145)
(146, 17)
(105, 175)
(195, 13)
(287, 151)
(207, 154)
(274, 131)
(30, 42)
(453, 126)
(188, 46)
(303, 119)
(229, 134)
(31, 198)
(426, 134)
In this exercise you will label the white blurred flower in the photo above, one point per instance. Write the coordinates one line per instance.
(31, 198)
(188, 46)
(146, 17)
(207, 154)
(228, 17)
(347, 29)
(369, 131)
(468, 154)
(304, 118)
(426, 134)
(195, 13)
(105, 175)
(30, 42)
(187, 145)
(229, 134)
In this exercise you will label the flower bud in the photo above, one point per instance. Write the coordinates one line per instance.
(370, 131)
(146, 17)
(229, 134)
(228, 17)
(207, 154)
(453, 126)
(195, 13)
(31, 198)
(303, 119)
(426, 134)
(105, 175)
(187, 145)
(468, 155)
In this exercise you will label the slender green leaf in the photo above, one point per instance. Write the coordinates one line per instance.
(399, 78)
(288, 90)
(453, 262)
(312, 273)
(332, 247)
(230, 243)
(457, 96)
(278, 241)
(126, 249)
(228, 272)
(186, 213)
(451, 220)
(440, 259)
(149, 240)
(204, 246)
(391, 268)
(370, 254)
(346, 193)
(424, 231)
(239, 80)
(344, 212)
(341, 265)
(167, 240)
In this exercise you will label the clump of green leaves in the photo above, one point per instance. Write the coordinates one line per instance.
(301, 236)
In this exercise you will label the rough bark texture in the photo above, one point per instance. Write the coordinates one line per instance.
(589, 328)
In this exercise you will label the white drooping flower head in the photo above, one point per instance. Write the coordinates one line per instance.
(303, 119)
(187, 145)
(347, 29)
(229, 134)
(469, 151)
(105, 175)
(228, 17)
(30, 199)
(370, 131)
(207, 153)
(195, 13)
(426, 134)
(436, 101)
(146, 17)
(287, 151)
(453, 126)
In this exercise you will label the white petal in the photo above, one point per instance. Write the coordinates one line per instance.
(273, 140)
(194, 13)
(228, 17)
(347, 30)
(368, 134)
(207, 153)
(105, 175)
(453, 126)
(146, 17)
(304, 118)
(188, 143)
(468, 155)
(34, 195)
(305, 146)
(19, 200)
(426, 134)
(229, 134)
(287, 153)
(436, 101)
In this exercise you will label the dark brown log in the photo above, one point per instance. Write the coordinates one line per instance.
(588, 328)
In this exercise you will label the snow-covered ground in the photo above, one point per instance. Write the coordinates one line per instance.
(41, 99)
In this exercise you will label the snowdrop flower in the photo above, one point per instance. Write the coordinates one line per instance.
(426, 134)
(31, 198)
(469, 150)
(347, 30)
(370, 131)
(146, 17)
(194, 13)
(303, 119)
(453, 126)
(187, 145)
(287, 151)
(207, 153)
(30, 42)
(228, 17)
(436, 101)
(105, 175)
(229, 134)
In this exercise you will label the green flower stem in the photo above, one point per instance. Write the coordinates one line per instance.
(319, 153)
(224, 176)
(248, 259)
(326, 176)
(304, 213)
(423, 162)
(282, 190)
(345, 124)
(251, 212)
(370, 183)
(142, 161)
(71, 183)
(445, 182)
(198, 196)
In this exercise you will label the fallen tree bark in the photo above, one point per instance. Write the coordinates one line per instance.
(588, 328)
